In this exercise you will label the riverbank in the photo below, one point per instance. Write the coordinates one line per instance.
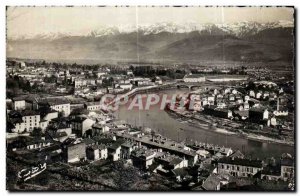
(199, 123)
(262, 138)
(210, 126)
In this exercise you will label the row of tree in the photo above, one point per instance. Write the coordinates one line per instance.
(150, 71)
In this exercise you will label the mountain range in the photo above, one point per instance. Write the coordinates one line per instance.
(191, 42)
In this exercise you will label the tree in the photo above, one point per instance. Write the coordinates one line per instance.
(51, 79)
(125, 177)
(61, 114)
(11, 83)
(251, 86)
(34, 86)
(37, 132)
(107, 82)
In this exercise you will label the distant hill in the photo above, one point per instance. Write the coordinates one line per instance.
(240, 42)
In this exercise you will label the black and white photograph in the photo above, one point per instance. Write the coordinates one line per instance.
(150, 98)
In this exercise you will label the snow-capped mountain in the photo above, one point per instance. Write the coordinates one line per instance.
(104, 31)
(237, 29)
(43, 36)
(191, 42)
(240, 29)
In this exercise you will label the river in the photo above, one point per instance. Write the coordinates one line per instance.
(169, 127)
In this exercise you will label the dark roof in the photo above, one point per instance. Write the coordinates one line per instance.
(18, 99)
(57, 101)
(138, 152)
(61, 119)
(153, 166)
(127, 145)
(102, 146)
(242, 162)
(257, 109)
(211, 182)
(102, 140)
(63, 125)
(114, 146)
(180, 172)
(69, 141)
(59, 123)
(54, 101)
(29, 113)
(32, 98)
(76, 100)
(142, 153)
(60, 134)
(170, 160)
(96, 125)
(55, 146)
(93, 147)
(175, 161)
(237, 154)
(46, 110)
(96, 146)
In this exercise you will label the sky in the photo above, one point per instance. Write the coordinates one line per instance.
(24, 21)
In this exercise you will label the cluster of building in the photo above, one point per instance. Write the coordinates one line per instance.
(94, 135)
(72, 128)
(237, 166)
(81, 82)
(240, 104)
